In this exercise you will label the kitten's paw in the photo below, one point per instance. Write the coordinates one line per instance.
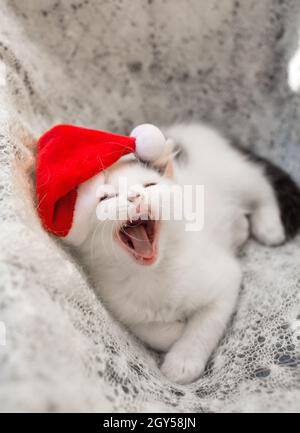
(180, 368)
(267, 227)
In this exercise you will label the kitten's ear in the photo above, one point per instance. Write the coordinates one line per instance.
(165, 163)
(169, 168)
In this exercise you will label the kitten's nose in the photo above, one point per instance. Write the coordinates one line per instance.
(133, 197)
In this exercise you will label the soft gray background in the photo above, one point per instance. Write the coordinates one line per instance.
(115, 64)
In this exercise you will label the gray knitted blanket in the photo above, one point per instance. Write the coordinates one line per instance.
(112, 65)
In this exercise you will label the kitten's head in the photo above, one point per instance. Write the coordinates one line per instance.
(120, 222)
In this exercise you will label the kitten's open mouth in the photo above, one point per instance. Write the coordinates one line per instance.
(139, 238)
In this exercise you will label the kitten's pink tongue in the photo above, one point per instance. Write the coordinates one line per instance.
(140, 240)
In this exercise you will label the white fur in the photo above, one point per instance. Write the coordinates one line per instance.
(181, 304)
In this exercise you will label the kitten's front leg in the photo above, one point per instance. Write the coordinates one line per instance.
(187, 358)
(159, 335)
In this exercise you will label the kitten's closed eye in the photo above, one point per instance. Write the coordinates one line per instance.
(106, 197)
(146, 185)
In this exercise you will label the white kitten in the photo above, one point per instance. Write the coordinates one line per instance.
(176, 289)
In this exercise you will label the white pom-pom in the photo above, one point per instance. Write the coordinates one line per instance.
(150, 142)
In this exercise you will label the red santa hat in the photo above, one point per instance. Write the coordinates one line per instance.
(68, 156)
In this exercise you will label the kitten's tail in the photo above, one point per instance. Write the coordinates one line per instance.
(287, 193)
(288, 196)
